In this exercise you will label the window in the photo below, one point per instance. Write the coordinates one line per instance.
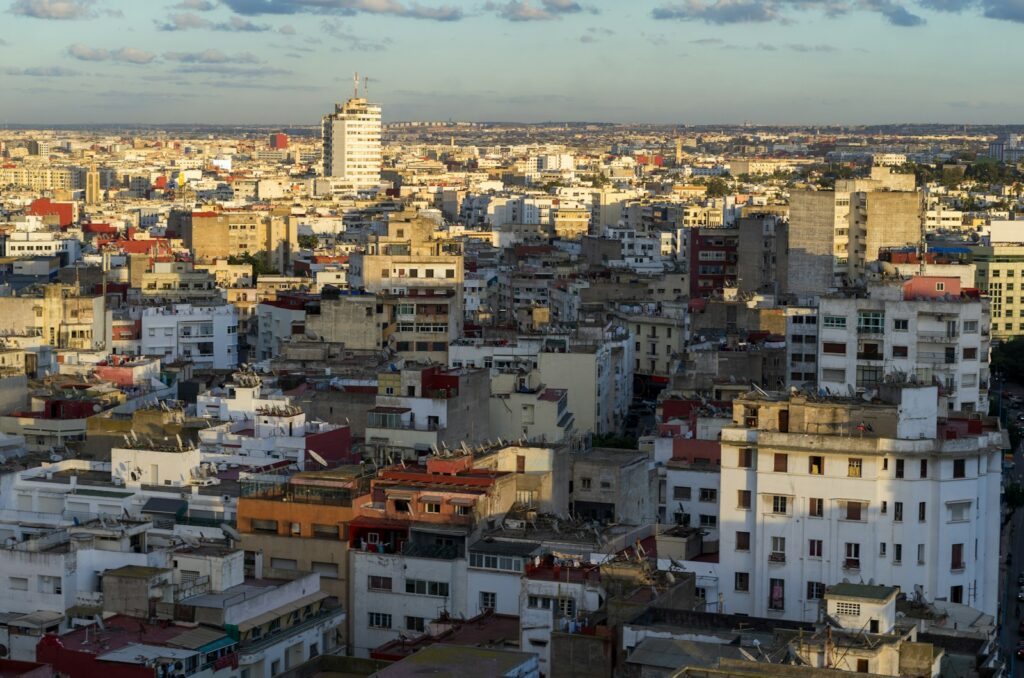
(379, 620)
(922, 511)
(325, 531)
(959, 468)
(956, 561)
(854, 467)
(708, 494)
(834, 321)
(815, 590)
(778, 553)
(284, 564)
(681, 493)
(848, 609)
(970, 354)
(852, 556)
(780, 503)
(423, 587)
(833, 348)
(814, 548)
(897, 554)
(899, 352)
(539, 602)
(18, 583)
(920, 554)
(816, 508)
(854, 511)
(924, 468)
(416, 624)
(776, 594)
(746, 458)
(585, 483)
(742, 541)
(708, 520)
(959, 511)
(329, 570)
(566, 607)
(431, 507)
(971, 326)
(900, 324)
(816, 466)
(897, 512)
(264, 526)
(743, 499)
(488, 600)
(871, 322)
(742, 581)
(781, 463)
(899, 468)
(379, 583)
(881, 549)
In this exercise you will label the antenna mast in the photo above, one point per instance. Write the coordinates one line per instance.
(355, 86)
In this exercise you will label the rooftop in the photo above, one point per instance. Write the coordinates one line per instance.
(865, 591)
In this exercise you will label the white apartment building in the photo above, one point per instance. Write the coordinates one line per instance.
(925, 328)
(815, 492)
(32, 238)
(351, 137)
(206, 335)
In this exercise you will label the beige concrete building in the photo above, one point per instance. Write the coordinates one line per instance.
(834, 234)
(174, 282)
(64, 318)
(218, 235)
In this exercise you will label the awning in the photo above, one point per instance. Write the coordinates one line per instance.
(270, 616)
(166, 506)
(462, 501)
(37, 620)
(400, 494)
(201, 638)
(431, 499)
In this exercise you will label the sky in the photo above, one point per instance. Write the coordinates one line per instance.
(285, 62)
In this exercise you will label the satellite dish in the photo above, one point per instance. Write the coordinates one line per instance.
(317, 458)
(230, 531)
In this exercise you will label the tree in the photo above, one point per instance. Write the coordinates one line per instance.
(308, 242)
(717, 187)
(1008, 360)
(260, 263)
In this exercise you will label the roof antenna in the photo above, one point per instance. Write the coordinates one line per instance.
(366, 87)
(355, 86)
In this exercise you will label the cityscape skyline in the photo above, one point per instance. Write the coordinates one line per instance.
(700, 61)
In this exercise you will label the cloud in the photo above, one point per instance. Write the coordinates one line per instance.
(707, 41)
(241, 25)
(719, 11)
(3, 43)
(526, 10)
(237, 71)
(594, 34)
(287, 29)
(196, 5)
(401, 8)
(127, 55)
(182, 22)
(211, 56)
(54, 9)
(1006, 10)
(350, 40)
(44, 72)
(762, 11)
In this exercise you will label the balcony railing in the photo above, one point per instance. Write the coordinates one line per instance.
(851, 564)
(776, 557)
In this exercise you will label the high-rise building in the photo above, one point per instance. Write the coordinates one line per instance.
(278, 140)
(833, 234)
(92, 186)
(351, 138)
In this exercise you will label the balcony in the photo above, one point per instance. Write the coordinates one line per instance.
(940, 336)
(935, 358)
(870, 355)
(776, 557)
